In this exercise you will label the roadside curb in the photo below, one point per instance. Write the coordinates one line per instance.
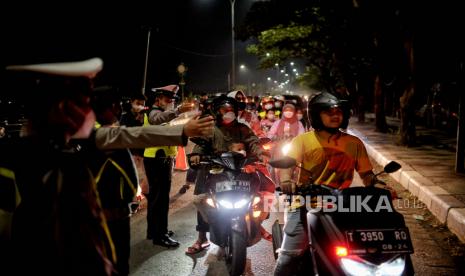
(446, 208)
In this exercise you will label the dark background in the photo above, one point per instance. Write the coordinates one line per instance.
(195, 32)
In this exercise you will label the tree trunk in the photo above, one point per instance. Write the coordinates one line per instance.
(407, 117)
(380, 114)
(407, 108)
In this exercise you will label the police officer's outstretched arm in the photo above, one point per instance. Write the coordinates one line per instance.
(157, 117)
(199, 127)
(153, 135)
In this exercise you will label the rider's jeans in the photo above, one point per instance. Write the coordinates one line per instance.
(295, 242)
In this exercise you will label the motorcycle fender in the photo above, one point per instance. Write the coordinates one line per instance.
(253, 231)
(236, 225)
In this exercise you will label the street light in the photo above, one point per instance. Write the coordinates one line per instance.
(144, 81)
(182, 70)
(244, 69)
(233, 54)
(277, 70)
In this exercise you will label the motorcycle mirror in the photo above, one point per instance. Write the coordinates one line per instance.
(283, 163)
(392, 167)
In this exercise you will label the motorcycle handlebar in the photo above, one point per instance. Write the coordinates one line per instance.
(312, 188)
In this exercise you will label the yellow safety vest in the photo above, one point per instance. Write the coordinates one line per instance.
(262, 114)
(10, 200)
(171, 151)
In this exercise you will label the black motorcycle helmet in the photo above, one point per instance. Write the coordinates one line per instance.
(324, 101)
(222, 101)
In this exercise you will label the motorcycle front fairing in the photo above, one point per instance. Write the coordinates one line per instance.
(233, 212)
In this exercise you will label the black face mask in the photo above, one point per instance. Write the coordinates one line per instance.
(332, 130)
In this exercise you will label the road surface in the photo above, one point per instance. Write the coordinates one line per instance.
(437, 251)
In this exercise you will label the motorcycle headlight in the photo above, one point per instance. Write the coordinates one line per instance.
(285, 149)
(395, 267)
(241, 203)
(228, 204)
(353, 266)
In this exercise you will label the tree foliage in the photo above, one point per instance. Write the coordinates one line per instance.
(322, 33)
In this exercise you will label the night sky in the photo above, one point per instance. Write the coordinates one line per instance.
(196, 32)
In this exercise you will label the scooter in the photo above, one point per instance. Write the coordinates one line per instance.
(354, 231)
(234, 209)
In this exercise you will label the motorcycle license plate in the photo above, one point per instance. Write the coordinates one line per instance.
(237, 185)
(378, 241)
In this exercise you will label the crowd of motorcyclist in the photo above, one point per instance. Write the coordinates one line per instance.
(330, 154)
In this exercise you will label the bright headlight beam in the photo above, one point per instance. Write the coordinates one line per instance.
(396, 267)
(356, 268)
(241, 203)
(226, 204)
(285, 149)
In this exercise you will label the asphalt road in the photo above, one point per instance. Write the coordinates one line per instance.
(437, 251)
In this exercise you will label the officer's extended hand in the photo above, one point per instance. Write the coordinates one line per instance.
(186, 107)
(287, 187)
(199, 127)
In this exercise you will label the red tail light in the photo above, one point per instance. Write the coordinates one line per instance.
(341, 251)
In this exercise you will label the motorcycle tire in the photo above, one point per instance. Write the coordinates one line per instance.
(277, 235)
(236, 254)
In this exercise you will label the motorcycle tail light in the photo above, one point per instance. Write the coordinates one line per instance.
(341, 251)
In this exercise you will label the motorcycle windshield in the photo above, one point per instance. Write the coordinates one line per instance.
(233, 181)
(233, 160)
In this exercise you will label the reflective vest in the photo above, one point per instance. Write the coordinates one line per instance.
(262, 114)
(123, 173)
(9, 200)
(152, 152)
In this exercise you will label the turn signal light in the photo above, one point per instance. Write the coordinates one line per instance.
(210, 202)
(267, 146)
(256, 200)
(256, 214)
(341, 251)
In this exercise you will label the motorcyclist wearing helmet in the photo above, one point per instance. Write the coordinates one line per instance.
(279, 101)
(226, 132)
(244, 115)
(331, 156)
(266, 104)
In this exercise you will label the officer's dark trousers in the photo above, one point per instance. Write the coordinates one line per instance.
(158, 172)
(120, 234)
